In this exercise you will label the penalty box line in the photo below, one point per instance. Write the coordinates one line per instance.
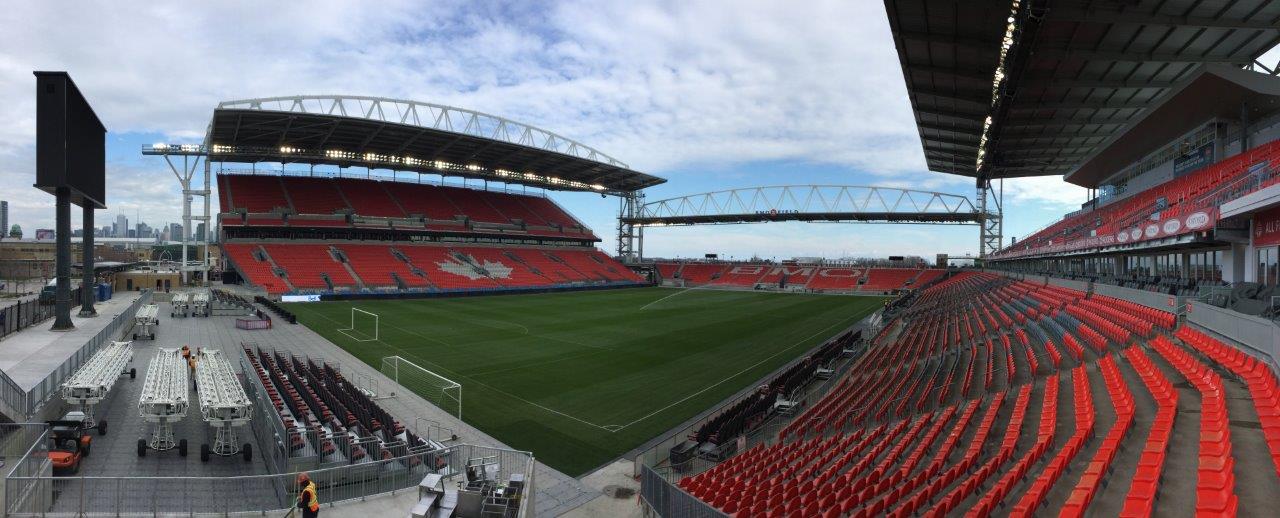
(608, 428)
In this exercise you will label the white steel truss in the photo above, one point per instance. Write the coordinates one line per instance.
(427, 115)
(793, 202)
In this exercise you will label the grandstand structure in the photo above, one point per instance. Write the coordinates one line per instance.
(317, 231)
(989, 394)
(1120, 361)
(1163, 111)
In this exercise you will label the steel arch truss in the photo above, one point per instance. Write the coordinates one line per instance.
(427, 115)
(817, 203)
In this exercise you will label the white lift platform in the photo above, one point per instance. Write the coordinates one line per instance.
(164, 400)
(179, 304)
(93, 381)
(145, 321)
(200, 303)
(223, 404)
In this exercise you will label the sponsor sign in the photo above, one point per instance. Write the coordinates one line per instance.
(792, 270)
(1266, 227)
(1195, 159)
(1198, 220)
(1172, 225)
(44, 234)
(299, 298)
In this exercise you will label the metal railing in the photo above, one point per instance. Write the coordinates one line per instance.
(31, 491)
(20, 404)
(662, 498)
(657, 453)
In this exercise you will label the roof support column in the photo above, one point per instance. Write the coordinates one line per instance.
(629, 235)
(991, 211)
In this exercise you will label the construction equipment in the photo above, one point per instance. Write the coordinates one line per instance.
(179, 304)
(94, 380)
(164, 401)
(223, 404)
(145, 321)
(200, 303)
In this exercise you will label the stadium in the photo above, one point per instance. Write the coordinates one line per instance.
(390, 308)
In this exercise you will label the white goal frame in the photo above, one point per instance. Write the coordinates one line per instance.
(436, 389)
(352, 327)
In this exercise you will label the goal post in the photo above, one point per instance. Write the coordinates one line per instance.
(439, 390)
(363, 327)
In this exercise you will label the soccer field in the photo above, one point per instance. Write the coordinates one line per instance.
(579, 378)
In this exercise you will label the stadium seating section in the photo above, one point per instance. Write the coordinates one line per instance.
(987, 395)
(324, 415)
(282, 267)
(248, 200)
(1205, 189)
(815, 278)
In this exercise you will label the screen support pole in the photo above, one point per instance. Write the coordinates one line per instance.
(62, 300)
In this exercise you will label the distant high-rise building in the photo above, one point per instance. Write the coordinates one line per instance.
(4, 216)
(122, 226)
(199, 231)
(175, 232)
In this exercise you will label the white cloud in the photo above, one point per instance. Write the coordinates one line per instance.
(664, 86)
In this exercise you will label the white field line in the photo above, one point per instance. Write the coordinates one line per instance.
(686, 290)
(611, 428)
(739, 373)
(473, 380)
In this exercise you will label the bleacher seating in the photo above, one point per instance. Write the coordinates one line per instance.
(810, 277)
(986, 395)
(423, 267)
(268, 198)
(327, 417)
(1202, 190)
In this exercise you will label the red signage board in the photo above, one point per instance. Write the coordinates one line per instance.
(1266, 227)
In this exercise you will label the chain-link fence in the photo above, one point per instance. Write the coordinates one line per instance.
(30, 490)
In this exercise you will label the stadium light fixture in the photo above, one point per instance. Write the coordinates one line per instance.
(998, 79)
(160, 145)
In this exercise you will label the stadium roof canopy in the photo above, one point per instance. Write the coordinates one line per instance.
(1074, 75)
(411, 136)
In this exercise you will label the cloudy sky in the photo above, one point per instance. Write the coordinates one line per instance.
(710, 95)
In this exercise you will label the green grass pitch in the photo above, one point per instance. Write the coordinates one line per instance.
(579, 378)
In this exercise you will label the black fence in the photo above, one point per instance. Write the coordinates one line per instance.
(29, 313)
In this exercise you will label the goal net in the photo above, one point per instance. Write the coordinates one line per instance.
(439, 390)
(364, 326)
